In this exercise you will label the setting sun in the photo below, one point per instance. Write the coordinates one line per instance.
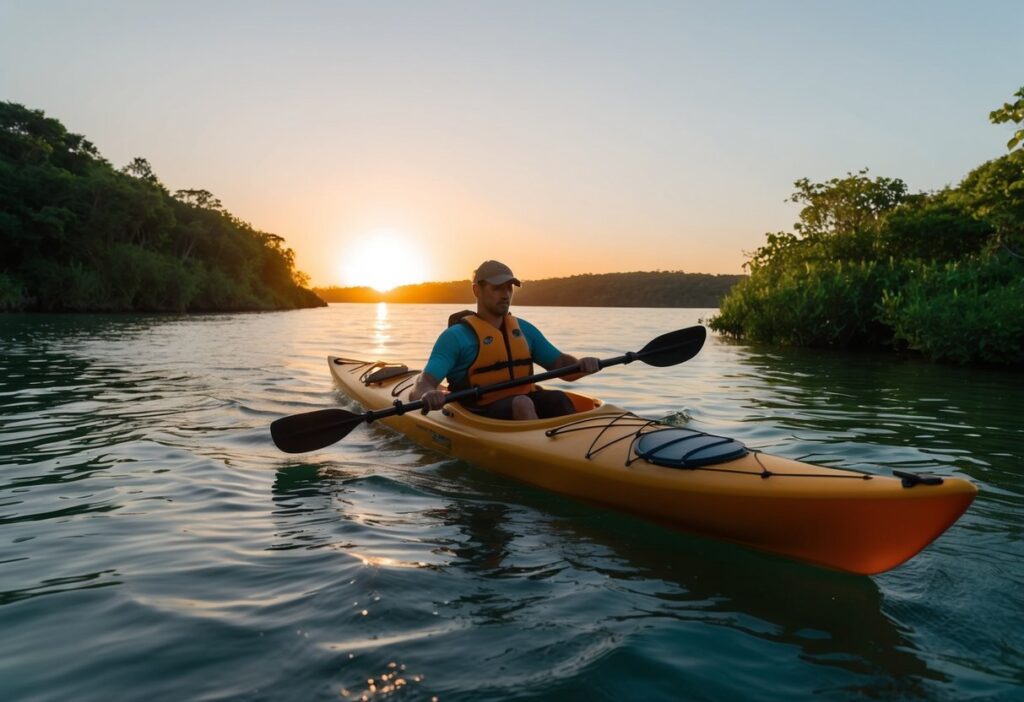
(384, 260)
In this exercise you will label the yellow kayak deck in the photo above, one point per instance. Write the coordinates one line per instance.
(831, 517)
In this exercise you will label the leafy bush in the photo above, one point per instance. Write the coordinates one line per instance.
(967, 311)
(82, 287)
(824, 304)
(219, 292)
(138, 279)
(10, 293)
(933, 228)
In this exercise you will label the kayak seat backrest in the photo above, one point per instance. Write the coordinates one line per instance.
(675, 447)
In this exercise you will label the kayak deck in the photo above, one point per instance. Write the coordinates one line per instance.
(862, 523)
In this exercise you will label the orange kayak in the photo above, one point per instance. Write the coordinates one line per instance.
(698, 482)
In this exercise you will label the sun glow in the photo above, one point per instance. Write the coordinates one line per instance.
(383, 260)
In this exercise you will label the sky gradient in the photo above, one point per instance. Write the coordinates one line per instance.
(563, 138)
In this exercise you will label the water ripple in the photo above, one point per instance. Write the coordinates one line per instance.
(144, 510)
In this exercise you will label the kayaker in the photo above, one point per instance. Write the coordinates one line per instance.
(491, 346)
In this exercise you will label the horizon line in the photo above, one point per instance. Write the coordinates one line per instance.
(525, 280)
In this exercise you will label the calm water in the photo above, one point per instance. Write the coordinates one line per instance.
(155, 545)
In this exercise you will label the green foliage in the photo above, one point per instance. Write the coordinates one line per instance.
(824, 304)
(937, 227)
(994, 193)
(217, 291)
(10, 293)
(81, 287)
(1011, 112)
(870, 265)
(76, 234)
(139, 279)
(845, 206)
(969, 311)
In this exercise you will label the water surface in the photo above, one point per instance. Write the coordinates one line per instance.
(155, 545)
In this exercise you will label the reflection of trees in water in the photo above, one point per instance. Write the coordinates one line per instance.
(947, 416)
(306, 501)
(74, 401)
(37, 380)
(487, 541)
(62, 421)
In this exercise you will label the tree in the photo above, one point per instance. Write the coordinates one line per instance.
(996, 189)
(845, 205)
(1012, 112)
(30, 137)
(994, 193)
(202, 199)
(139, 168)
(934, 227)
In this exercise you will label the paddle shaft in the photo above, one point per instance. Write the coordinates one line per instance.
(401, 408)
(313, 430)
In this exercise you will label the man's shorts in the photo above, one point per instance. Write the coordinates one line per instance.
(548, 403)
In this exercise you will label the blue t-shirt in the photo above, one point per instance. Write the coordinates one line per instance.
(455, 350)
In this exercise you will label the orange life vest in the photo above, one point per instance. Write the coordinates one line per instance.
(502, 355)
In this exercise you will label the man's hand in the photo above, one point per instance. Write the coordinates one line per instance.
(434, 399)
(426, 389)
(587, 365)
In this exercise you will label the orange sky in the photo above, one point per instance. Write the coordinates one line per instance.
(432, 229)
(562, 138)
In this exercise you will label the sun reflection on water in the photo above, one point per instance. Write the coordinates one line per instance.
(381, 329)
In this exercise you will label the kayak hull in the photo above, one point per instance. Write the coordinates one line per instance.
(825, 516)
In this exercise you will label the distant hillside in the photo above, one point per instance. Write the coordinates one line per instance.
(639, 289)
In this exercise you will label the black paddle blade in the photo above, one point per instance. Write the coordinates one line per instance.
(313, 430)
(674, 347)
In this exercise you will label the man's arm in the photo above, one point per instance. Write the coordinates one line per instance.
(588, 365)
(426, 389)
(443, 357)
(551, 358)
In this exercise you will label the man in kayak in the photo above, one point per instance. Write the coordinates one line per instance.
(491, 346)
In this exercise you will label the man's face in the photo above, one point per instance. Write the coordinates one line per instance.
(495, 299)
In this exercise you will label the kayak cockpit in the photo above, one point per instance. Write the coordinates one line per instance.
(582, 404)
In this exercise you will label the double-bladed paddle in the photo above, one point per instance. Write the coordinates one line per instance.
(313, 430)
